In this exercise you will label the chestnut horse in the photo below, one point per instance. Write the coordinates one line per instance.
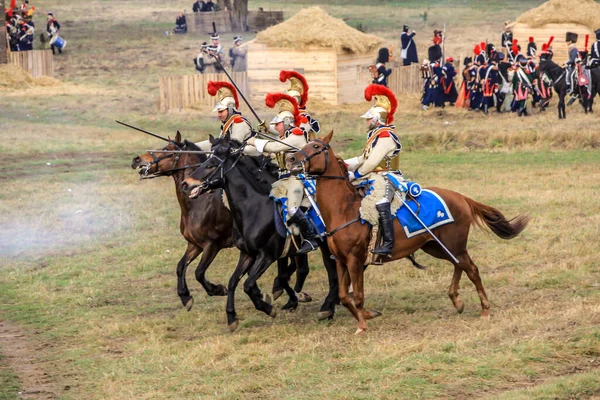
(339, 202)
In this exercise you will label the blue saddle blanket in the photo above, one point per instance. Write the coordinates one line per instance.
(311, 213)
(431, 209)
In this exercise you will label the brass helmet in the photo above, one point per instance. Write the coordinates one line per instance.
(385, 104)
(288, 112)
(298, 86)
(226, 94)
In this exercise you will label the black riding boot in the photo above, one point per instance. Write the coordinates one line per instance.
(386, 223)
(310, 238)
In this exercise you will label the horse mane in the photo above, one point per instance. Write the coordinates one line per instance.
(258, 171)
(192, 147)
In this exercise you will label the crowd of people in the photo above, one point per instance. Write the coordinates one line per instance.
(211, 58)
(20, 28)
(198, 6)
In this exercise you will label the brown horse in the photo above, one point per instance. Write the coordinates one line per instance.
(206, 225)
(339, 202)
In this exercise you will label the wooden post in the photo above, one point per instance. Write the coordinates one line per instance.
(3, 37)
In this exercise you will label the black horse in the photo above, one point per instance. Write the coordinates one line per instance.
(558, 76)
(248, 184)
(205, 222)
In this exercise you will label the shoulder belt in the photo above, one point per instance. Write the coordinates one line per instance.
(234, 119)
(384, 131)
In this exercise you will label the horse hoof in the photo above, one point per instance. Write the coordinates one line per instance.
(189, 304)
(267, 299)
(460, 306)
(277, 294)
(290, 306)
(374, 314)
(234, 325)
(485, 314)
(273, 313)
(222, 291)
(324, 315)
(303, 297)
(359, 331)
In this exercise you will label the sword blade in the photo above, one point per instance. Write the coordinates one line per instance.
(180, 151)
(143, 130)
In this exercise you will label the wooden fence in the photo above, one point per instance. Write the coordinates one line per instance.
(406, 79)
(259, 20)
(187, 91)
(36, 62)
(202, 22)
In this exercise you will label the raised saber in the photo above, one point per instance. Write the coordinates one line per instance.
(427, 229)
(144, 131)
(180, 151)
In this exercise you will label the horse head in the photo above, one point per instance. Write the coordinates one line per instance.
(210, 174)
(312, 159)
(150, 164)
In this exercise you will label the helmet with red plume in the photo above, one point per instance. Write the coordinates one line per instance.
(298, 86)
(385, 103)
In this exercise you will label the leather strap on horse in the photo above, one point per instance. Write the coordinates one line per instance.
(339, 228)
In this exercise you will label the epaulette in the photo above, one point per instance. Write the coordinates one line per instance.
(238, 119)
(384, 133)
(297, 131)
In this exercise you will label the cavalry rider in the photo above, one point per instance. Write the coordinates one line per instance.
(595, 54)
(571, 39)
(227, 105)
(286, 124)
(382, 144)
(522, 85)
(544, 85)
(299, 91)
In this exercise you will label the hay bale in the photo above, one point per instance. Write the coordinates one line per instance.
(314, 27)
(14, 77)
(583, 12)
(46, 81)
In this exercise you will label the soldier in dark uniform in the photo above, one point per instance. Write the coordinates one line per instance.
(481, 58)
(571, 39)
(503, 67)
(488, 76)
(53, 28)
(380, 73)
(531, 48)
(507, 37)
(595, 52)
(448, 85)
(409, 48)
(474, 84)
(522, 85)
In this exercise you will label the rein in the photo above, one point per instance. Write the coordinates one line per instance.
(207, 183)
(156, 160)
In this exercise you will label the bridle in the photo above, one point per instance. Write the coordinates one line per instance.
(306, 162)
(209, 182)
(156, 160)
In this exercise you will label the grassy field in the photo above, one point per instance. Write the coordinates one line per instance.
(88, 253)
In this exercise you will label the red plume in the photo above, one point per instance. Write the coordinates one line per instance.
(587, 41)
(531, 40)
(550, 41)
(374, 89)
(13, 4)
(515, 49)
(477, 49)
(482, 46)
(213, 87)
(515, 41)
(285, 75)
(544, 47)
(271, 100)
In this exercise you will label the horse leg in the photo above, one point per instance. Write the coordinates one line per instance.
(562, 112)
(284, 272)
(356, 271)
(208, 256)
(259, 267)
(343, 283)
(467, 265)
(244, 263)
(282, 264)
(302, 270)
(453, 290)
(190, 255)
(328, 308)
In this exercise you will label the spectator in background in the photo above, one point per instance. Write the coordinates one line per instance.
(198, 6)
(209, 6)
(238, 55)
(180, 24)
(53, 28)
(409, 48)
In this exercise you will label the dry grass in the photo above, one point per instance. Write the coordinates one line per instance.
(88, 253)
(314, 27)
(583, 12)
(14, 78)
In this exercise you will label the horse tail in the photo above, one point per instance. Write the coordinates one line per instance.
(496, 221)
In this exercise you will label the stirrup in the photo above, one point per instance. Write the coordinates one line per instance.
(382, 251)
(305, 249)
